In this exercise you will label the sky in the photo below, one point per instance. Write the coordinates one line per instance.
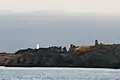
(20, 31)
(68, 6)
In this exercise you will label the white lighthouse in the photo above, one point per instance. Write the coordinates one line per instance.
(37, 46)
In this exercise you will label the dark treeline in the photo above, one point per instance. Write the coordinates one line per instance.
(93, 56)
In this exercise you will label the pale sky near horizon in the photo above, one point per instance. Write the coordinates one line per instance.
(70, 6)
(28, 30)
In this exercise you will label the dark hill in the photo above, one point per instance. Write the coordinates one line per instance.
(96, 56)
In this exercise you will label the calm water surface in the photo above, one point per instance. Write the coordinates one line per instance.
(12, 73)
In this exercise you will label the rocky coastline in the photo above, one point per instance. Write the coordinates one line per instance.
(93, 56)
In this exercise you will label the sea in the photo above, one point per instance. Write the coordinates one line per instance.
(13, 73)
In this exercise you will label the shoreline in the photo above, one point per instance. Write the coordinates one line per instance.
(96, 56)
(58, 68)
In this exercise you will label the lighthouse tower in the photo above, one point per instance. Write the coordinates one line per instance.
(37, 46)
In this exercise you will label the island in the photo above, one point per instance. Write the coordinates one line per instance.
(98, 55)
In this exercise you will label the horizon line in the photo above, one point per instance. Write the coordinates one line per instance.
(58, 12)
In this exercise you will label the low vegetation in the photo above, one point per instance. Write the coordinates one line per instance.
(93, 56)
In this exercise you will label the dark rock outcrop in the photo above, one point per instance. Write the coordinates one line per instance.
(98, 56)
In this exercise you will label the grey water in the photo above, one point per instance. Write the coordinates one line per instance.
(21, 31)
(11, 73)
